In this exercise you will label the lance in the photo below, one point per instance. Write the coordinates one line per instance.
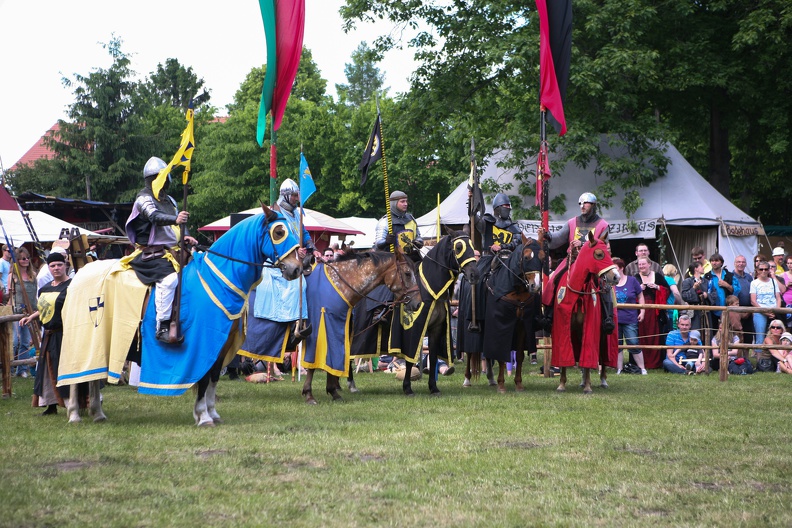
(385, 175)
(473, 326)
(32, 231)
(35, 331)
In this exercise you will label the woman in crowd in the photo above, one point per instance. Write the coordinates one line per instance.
(17, 291)
(655, 291)
(764, 294)
(672, 278)
(785, 357)
(757, 259)
(694, 291)
(769, 357)
(50, 304)
(628, 291)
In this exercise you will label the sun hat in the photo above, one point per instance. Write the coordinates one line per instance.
(778, 252)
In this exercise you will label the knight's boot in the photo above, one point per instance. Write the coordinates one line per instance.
(163, 332)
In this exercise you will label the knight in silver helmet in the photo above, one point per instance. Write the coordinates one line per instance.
(405, 231)
(153, 227)
(577, 228)
(289, 204)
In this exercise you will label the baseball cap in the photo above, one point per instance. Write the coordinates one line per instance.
(694, 334)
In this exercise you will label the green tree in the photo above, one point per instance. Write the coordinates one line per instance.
(363, 77)
(173, 84)
(710, 76)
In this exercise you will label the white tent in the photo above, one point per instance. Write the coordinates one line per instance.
(693, 211)
(361, 241)
(47, 228)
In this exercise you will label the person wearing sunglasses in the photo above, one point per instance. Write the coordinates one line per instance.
(5, 268)
(28, 272)
(769, 357)
(765, 294)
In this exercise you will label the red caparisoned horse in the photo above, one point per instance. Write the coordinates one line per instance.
(581, 298)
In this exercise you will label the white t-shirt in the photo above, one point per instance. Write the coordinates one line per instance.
(765, 292)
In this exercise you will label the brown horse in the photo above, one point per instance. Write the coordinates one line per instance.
(333, 289)
(580, 323)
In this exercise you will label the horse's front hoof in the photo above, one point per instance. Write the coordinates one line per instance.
(518, 386)
(335, 395)
(604, 384)
(409, 392)
(501, 388)
(466, 383)
(217, 420)
(206, 423)
(75, 418)
(436, 393)
(588, 391)
(352, 387)
(100, 418)
(561, 389)
(309, 399)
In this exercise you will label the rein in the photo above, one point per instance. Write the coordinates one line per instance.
(256, 264)
(405, 298)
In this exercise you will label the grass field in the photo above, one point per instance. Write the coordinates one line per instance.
(656, 450)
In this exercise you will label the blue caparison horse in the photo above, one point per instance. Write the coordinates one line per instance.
(102, 317)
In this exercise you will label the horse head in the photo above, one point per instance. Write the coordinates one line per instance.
(529, 266)
(404, 282)
(280, 244)
(464, 255)
(594, 258)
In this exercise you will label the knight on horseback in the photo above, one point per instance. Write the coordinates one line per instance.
(153, 227)
(500, 235)
(576, 229)
(405, 231)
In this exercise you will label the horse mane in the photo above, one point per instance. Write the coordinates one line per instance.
(376, 257)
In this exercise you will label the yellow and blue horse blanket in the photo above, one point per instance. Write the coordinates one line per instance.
(329, 344)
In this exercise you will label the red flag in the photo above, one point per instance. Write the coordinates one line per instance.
(290, 21)
(555, 50)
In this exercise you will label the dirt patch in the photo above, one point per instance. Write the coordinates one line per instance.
(210, 453)
(525, 444)
(70, 465)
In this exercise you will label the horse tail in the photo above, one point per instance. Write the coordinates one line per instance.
(475, 365)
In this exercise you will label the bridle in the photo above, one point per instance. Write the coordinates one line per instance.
(404, 297)
(600, 281)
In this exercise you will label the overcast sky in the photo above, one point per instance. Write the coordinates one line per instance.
(42, 41)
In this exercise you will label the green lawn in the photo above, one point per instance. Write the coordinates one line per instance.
(658, 450)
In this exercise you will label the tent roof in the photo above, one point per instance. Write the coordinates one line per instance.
(47, 228)
(368, 226)
(681, 197)
(315, 222)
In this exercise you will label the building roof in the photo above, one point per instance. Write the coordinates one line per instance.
(37, 151)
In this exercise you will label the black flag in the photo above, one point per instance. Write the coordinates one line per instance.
(372, 153)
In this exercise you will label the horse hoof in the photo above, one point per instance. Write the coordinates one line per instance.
(466, 383)
(336, 396)
(561, 389)
(217, 420)
(588, 391)
(352, 387)
(492, 382)
(75, 419)
(409, 393)
(519, 387)
(604, 384)
(208, 423)
(311, 401)
(100, 419)
(501, 388)
(435, 394)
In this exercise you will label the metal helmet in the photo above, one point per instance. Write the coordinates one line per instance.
(153, 167)
(395, 196)
(587, 197)
(289, 187)
(500, 199)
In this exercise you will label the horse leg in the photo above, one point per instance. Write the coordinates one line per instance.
(587, 381)
(201, 411)
(469, 358)
(603, 377)
(95, 401)
(491, 372)
(351, 379)
(501, 377)
(433, 370)
(518, 386)
(73, 405)
(333, 388)
(407, 383)
(307, 391)
(562, 381)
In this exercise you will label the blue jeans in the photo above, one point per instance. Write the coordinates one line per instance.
(629, 333)
(21, 346)
(672, 367)
(760, 327)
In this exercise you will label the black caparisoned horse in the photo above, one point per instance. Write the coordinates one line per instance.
(333, 290)
(512, 303)
(437, 274)
(215, 287)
